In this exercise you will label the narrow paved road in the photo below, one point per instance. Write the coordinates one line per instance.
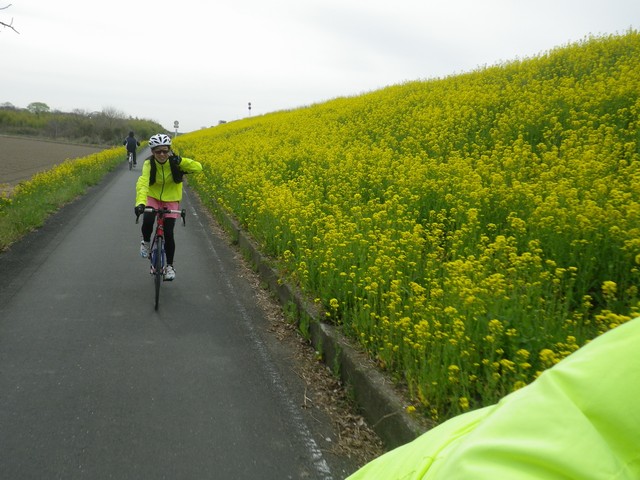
(96, 384)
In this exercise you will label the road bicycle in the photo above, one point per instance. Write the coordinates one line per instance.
(130, 160)
(157, 255)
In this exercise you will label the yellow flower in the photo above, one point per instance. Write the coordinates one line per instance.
(548, 357)
(609, 290)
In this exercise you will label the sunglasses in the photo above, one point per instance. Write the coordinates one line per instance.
(158, 152)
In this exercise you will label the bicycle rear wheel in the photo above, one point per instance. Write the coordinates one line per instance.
(130, 158)
(158, 266)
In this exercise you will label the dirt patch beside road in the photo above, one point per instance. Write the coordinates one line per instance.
(21, 158)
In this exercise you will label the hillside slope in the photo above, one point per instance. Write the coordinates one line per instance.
(468, 232)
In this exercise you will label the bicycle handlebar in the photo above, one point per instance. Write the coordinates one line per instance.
(164, 211)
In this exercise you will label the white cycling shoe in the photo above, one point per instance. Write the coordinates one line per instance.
(144, 249)
(169, 273)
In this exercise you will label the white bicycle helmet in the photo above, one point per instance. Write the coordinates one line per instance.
(159, 140)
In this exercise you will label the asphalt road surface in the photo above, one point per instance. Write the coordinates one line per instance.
(94, 383)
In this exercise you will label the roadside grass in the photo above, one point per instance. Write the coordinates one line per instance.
(27, 206)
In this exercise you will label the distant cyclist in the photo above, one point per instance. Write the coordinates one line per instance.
(132, 143)
(160, 186)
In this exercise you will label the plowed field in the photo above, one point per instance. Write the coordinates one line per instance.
(21, 158)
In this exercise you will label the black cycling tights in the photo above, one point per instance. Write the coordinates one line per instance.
(169, 242)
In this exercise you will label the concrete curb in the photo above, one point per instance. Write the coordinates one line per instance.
(373, 393)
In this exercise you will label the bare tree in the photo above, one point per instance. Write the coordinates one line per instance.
(8, 25)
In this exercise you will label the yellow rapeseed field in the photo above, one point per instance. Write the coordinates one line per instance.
(31, 201)
(469, 232)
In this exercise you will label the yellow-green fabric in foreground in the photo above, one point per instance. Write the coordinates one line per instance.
(579, 420)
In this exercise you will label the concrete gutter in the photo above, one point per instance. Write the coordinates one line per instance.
(373, 392)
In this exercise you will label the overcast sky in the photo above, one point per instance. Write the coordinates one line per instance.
(199, 61)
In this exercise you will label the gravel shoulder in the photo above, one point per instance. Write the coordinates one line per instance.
(324, 391)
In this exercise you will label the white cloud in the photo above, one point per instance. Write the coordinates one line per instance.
(200, 62)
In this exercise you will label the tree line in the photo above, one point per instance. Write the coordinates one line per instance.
(107, 127)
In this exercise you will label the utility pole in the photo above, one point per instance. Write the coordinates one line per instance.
(249, 108)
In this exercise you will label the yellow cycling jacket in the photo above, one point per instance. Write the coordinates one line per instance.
(164, 188)
(579, 420)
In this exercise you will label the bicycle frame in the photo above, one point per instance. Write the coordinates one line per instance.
(157, 255)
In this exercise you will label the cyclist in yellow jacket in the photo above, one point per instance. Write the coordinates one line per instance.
(160, 186)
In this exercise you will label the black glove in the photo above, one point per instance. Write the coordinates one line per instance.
(175, 159)
(139, 209)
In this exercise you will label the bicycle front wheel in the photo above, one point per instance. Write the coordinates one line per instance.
(158, 266)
